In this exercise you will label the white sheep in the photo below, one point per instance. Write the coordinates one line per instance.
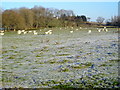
(19, 32)
(50, 32)
(89, 31)
(2, 33)
(106, 30)
(25, 32)
(46, 32)
(76, 29)
(35, 32)
(71, 31)
(104, 27)
(99, 30)
(30, 31)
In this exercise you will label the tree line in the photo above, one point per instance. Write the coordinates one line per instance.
(114, 21)
(38, 16)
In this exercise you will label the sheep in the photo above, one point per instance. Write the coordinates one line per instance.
(25, 32)
(99, 30)
(76, 29)
(2, 33)
(104, 27)
(30, 31)
(89, 31)
(48, 32)
(19, 32)
(71, 27)
(35, 33)
(80, 27)
(106, 30)
(71, 31)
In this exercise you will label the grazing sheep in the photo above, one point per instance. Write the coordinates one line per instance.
(35, 33)
(25, 32)
(104, 27)
(30, 31)
(76, 29)
(48, 32)
(2, 33)
(19, 32)
(89, 31)
(106, 30)
(80, 27)
(99, 30)
(71, 31)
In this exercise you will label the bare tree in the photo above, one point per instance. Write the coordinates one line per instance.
(39, 14)
(100, 20)
(115, 21)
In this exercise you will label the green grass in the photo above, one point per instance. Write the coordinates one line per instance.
(23, 53)
(63, 86)
(63, 54)
(64, 70)
(116, 60)
(38, 56)
(81, 66)
(103, 65)
(11, 57)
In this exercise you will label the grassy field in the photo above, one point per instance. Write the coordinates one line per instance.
(60, 60)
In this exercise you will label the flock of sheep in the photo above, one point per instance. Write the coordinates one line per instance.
(50, 31)
(2, 32)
